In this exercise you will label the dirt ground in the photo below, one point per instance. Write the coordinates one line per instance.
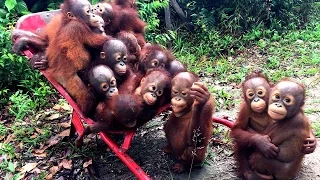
(219, 164)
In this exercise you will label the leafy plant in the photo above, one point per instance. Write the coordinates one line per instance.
(21, 105)
(316, 127)
(3, 130)
(148, 12)
(7, 149)
(237, 17)
(17, 80)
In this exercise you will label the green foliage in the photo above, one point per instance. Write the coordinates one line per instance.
(6, 165)
(17, 6)
(21, 105)
(7, 149)
(316, 127)
(20, 87)
(238, 16)
(3, 130)
(149, 12)
(10, 4)
(24, 132)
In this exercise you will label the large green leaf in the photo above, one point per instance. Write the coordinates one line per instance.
(2, 13)
(22, 7)
(10, 4)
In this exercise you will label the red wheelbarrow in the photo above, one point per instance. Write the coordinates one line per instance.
(36, 22)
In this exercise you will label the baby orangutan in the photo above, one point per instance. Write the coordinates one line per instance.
(251, 122)
(288, 131)
(189, 128)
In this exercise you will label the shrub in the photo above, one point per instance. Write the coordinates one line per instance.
(238, 16)
(149, 11)
(19, 85)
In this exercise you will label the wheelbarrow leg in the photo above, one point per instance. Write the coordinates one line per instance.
(72, 131)
(125, 158)
(79, 128)
(223, 121)
(127, 140)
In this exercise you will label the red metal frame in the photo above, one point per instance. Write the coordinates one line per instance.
(36, 21)
(223, 121)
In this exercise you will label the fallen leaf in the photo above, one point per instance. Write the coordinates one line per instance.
(28, 167)
(41, 145)
(18, 147)
(52, 141)
(57, 107)
(21, 123)
(53, 117)
(38, 116)
(27, 120)
(65, 124)
(39, 130)
(39, 151)
(41, 155)
(54, 169)
(47, 113)
(64, 133)
(66, 107)
(233, 84)
(86, 164)
(36, 170)
(3, 156)
(67, 164)
(34, 136)
(10, 138)
(49, 177)
(21, 145)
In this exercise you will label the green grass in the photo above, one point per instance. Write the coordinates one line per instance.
(312, 110)
(316, 128)
(290, 54)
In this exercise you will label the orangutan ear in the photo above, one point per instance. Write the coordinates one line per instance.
(70, 15)
(142, 80)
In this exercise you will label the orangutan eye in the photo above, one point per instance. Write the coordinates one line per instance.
(152, 88)
(260, 92)
(175, 92)
(154, 63)
(104, 86)
(113, 83)
(287, 100)
(159, 93)
(251, 94)
(118, 58)
(184, 94)
(125, 58)
(277, 96)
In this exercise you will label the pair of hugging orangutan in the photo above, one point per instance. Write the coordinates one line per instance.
(96, 55)
(271, 134)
